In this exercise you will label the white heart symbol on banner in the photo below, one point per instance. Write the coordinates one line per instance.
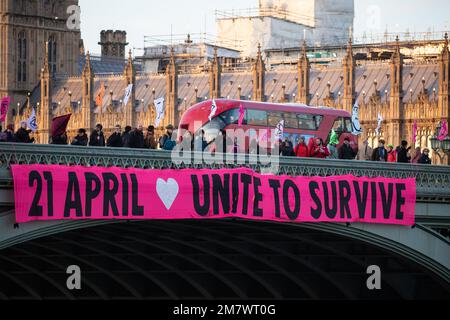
(167, 191)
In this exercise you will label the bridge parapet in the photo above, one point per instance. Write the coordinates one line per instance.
(433, 182)
(422, 243)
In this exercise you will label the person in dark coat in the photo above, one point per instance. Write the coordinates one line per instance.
(10, 137)
(137, 138)
(126, 137)
(23, 135)
(403, 153)
(287, 148)
(81, 139)
(425, 158)
(380, 154)
(346, 152)
(97, 138)
(115, 140)
(59, 139)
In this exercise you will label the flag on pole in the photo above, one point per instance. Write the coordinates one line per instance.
(444, 131)
(100, 95)
(279, 131)
(357, 130)
(415, 132)
(32, 122)
(241, 115)
(4, 106)
(213, 110)
(59, 125)
(127, 96)
(160, 111)
(380, 122)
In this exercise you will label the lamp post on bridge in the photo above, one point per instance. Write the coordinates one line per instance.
(441, 148)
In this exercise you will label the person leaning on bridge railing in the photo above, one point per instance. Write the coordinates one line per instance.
(115, 140)
(97, 138)
(365, 152)
(23, 135)
(81, 139)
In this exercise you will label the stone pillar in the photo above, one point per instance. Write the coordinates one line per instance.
(349, 78)
(395, 119)
(172, 92)
(444, 91)
(45, 112)
(303, 68)
(87, 99)
(130, 78)
(444, 88)
(215, 77)
(259, 77)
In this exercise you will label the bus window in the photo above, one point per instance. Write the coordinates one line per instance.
(274, 118)
(231, 117)
(309, 121)
(348, 125)
(213, 128)
(343, 125)
(291, 121)
(257, 117)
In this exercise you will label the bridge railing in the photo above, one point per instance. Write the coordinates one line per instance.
(433, 182)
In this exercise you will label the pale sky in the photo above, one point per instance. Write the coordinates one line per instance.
(163, 17)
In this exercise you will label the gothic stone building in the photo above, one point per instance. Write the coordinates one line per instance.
(402, 92)
(26, 26)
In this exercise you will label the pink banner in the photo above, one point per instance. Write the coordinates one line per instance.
(66, 193)
(4, 106)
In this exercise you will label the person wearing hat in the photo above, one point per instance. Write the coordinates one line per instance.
(380, 153)
(115, 140)
(97, 138)
(150, 139)
(301, 150)
(392, 155)
(81, 139)
(403, 153)
(346, 152)
(23, 135)
(166, 142)
(425, 159)
(365, 152)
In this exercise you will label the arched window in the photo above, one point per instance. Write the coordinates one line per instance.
(52, 54)
(22, 57)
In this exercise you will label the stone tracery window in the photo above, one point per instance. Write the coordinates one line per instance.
(52, 53)
(22, 57)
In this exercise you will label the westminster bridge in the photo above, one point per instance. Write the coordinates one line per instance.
(228, 258)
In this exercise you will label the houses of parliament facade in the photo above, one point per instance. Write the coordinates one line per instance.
(42, 67)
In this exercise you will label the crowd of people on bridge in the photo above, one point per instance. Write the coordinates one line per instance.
(383, 153)
(129, 138)
(315, 148)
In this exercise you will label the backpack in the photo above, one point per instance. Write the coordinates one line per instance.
(169, 145)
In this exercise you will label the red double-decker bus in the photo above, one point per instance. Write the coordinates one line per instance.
(299, 120)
